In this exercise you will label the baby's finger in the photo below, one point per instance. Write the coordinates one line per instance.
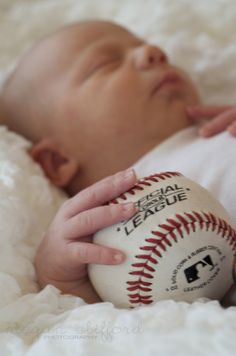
(219, 124)
(100, 192)
(206, 112)
(90, 221)
(83, 252)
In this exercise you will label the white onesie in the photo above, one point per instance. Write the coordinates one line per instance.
(209, 161)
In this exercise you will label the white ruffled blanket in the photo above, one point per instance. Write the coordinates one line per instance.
(45, 322)
(198, 36)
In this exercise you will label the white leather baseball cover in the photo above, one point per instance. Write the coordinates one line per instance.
(180, 245)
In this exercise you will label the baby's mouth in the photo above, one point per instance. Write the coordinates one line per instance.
(170, 79)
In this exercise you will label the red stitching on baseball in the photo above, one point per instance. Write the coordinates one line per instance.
(143, 289)
(141, 273)
(173, 227)
(141, 282)
(146, 181)
(153, 260)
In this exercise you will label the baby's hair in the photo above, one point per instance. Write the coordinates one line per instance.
(21, 105)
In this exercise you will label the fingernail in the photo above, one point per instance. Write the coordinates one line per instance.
(204, 132)
(129, 173)
(128, 207)
(119, 257)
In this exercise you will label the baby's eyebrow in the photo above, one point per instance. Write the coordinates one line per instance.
(106, 48)
(110, 45)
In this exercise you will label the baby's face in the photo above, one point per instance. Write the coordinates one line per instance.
(110, 88)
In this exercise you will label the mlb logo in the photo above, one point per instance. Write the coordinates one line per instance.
(193, 273)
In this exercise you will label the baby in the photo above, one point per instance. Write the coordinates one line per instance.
(94, 98)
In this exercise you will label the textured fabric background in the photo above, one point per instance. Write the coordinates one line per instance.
(200, 37)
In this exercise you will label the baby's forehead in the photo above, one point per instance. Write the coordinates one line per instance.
(61, 51)
(84, 34)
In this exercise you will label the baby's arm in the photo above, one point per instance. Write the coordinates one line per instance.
(220, 118)
(67, 248)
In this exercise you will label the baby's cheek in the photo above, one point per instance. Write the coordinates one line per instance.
(121, 85)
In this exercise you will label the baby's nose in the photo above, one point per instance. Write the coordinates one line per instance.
(148, 56)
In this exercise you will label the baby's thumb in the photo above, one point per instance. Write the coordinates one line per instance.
(96, 254)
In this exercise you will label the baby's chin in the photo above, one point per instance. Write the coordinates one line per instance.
(177, 114)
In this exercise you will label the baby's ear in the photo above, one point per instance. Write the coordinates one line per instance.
(59, 167)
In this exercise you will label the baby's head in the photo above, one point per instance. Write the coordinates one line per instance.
(93, 98)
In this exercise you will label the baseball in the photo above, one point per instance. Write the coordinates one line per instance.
(179, 245)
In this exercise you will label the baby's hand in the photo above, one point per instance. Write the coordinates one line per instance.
(222, 118)
(67, 247)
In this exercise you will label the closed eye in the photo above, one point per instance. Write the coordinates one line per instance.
(106, 63)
